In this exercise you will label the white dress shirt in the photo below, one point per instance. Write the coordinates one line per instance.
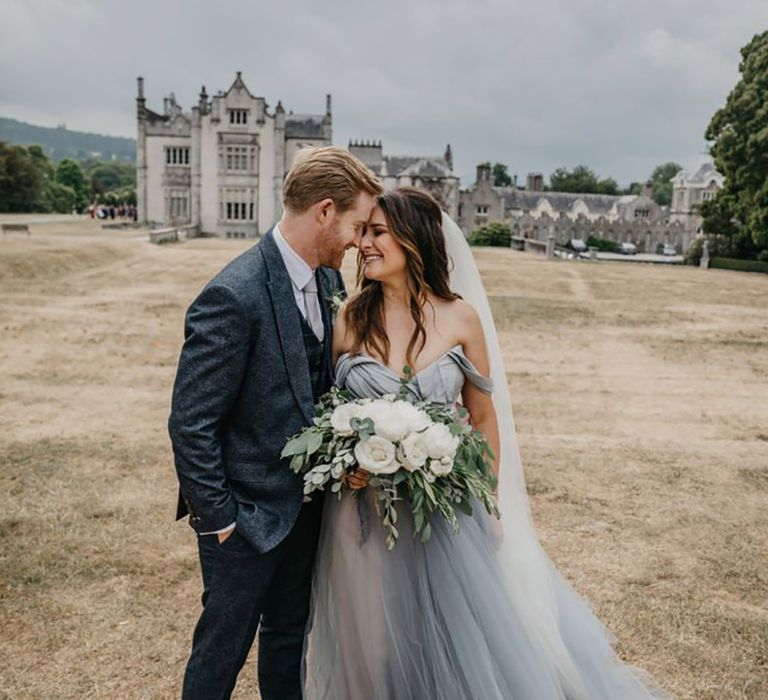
(300, 273)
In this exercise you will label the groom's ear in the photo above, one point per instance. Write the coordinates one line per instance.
(324, 211)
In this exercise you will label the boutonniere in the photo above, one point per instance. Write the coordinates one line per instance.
(336, 300)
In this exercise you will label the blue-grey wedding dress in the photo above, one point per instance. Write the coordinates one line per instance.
(434, 621)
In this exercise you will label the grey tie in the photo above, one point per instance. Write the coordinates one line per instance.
(312, 305)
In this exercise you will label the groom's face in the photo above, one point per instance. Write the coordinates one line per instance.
(343, 231)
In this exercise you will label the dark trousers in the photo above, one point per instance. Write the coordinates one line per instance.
(245, 591)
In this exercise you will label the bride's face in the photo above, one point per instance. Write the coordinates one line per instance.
(383, 257)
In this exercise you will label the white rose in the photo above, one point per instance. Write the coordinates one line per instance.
(387, 420)
(414, 452)
(376, 455)
(440, 442)
(416, 419)
(342, 417)
(441, 467)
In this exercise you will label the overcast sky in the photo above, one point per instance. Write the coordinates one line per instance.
(619, 86)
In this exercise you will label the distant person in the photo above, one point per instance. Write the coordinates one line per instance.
(256, 357)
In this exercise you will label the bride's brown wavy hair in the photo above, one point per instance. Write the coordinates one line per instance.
(415, 221)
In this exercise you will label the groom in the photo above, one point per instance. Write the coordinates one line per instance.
(256, 357)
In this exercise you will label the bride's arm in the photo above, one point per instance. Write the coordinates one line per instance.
(480, 406)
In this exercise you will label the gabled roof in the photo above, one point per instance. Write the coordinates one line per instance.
(239, 85)
(560, 201)
(416, 166)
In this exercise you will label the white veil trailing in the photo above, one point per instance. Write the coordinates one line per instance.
(577, 644)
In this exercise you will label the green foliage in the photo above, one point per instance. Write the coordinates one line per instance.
(603, 244)
(501, 177)
(740, 265)
(494, 233)
(111, 176)
(581, 180)
(739, 132)
(30, 182)
(70, 174)
(661, 180)
(634, 188)
(719, 246)
(21, 182)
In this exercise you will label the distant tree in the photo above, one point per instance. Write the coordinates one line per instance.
(661, 179)
(582, 180)
(494, 233)
(634, 188)
(739, 132)
(70, 174)
(21, 183)
(501, 177)
(110, 176)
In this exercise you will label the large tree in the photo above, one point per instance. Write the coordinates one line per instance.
(581, 179)
(70, 174)
(739, 132)
(661, 180)
(21, 183)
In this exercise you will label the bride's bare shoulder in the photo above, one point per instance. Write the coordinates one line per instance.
(463, 317)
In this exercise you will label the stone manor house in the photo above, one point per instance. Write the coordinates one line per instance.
(220, 168)
(533, 213)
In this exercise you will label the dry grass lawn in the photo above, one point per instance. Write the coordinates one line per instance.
(641, 398)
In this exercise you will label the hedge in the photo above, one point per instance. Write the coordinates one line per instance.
(740, 265)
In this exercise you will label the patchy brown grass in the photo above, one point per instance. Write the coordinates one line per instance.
(640, 401)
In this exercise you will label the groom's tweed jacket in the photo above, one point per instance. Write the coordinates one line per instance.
(243, 386)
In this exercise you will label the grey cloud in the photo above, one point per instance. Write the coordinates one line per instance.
(618, 86)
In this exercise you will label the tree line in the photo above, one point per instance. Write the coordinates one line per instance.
(583, 180)
(32, 182)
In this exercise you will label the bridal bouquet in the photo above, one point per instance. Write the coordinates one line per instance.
(423, 453)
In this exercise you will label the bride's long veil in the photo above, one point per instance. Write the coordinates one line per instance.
(551, 611)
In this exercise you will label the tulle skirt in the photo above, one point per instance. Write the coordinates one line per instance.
(434, 621)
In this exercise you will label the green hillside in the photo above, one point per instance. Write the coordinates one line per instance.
(59, 142)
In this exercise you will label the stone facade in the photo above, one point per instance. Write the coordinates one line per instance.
(532, 213)
(220, 166)
(691, 188)
(431, 173)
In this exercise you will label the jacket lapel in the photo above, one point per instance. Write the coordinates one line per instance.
(288, 325)
(326, 291)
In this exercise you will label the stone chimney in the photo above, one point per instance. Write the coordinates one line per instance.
(369, 152)
(647, 190)
(483, 173)
(448, 157)
(534, 182)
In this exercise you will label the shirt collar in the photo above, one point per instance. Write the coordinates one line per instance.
(298, 270)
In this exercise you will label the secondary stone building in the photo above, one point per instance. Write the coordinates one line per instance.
(221, 165)
(691, 188)
(431, 173)
(534, 213)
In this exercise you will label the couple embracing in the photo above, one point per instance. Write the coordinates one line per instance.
(475, 614)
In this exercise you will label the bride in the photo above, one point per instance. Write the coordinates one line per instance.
(481, 614)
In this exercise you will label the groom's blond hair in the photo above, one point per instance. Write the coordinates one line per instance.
(329, 172)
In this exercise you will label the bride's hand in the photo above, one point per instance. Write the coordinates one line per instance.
(358, 479)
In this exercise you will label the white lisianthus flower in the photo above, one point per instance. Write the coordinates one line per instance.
(414, 452)
(441, 467)
(416, 419)
(440, 442)
(376, 455)
(342, 416)
(387, 420)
